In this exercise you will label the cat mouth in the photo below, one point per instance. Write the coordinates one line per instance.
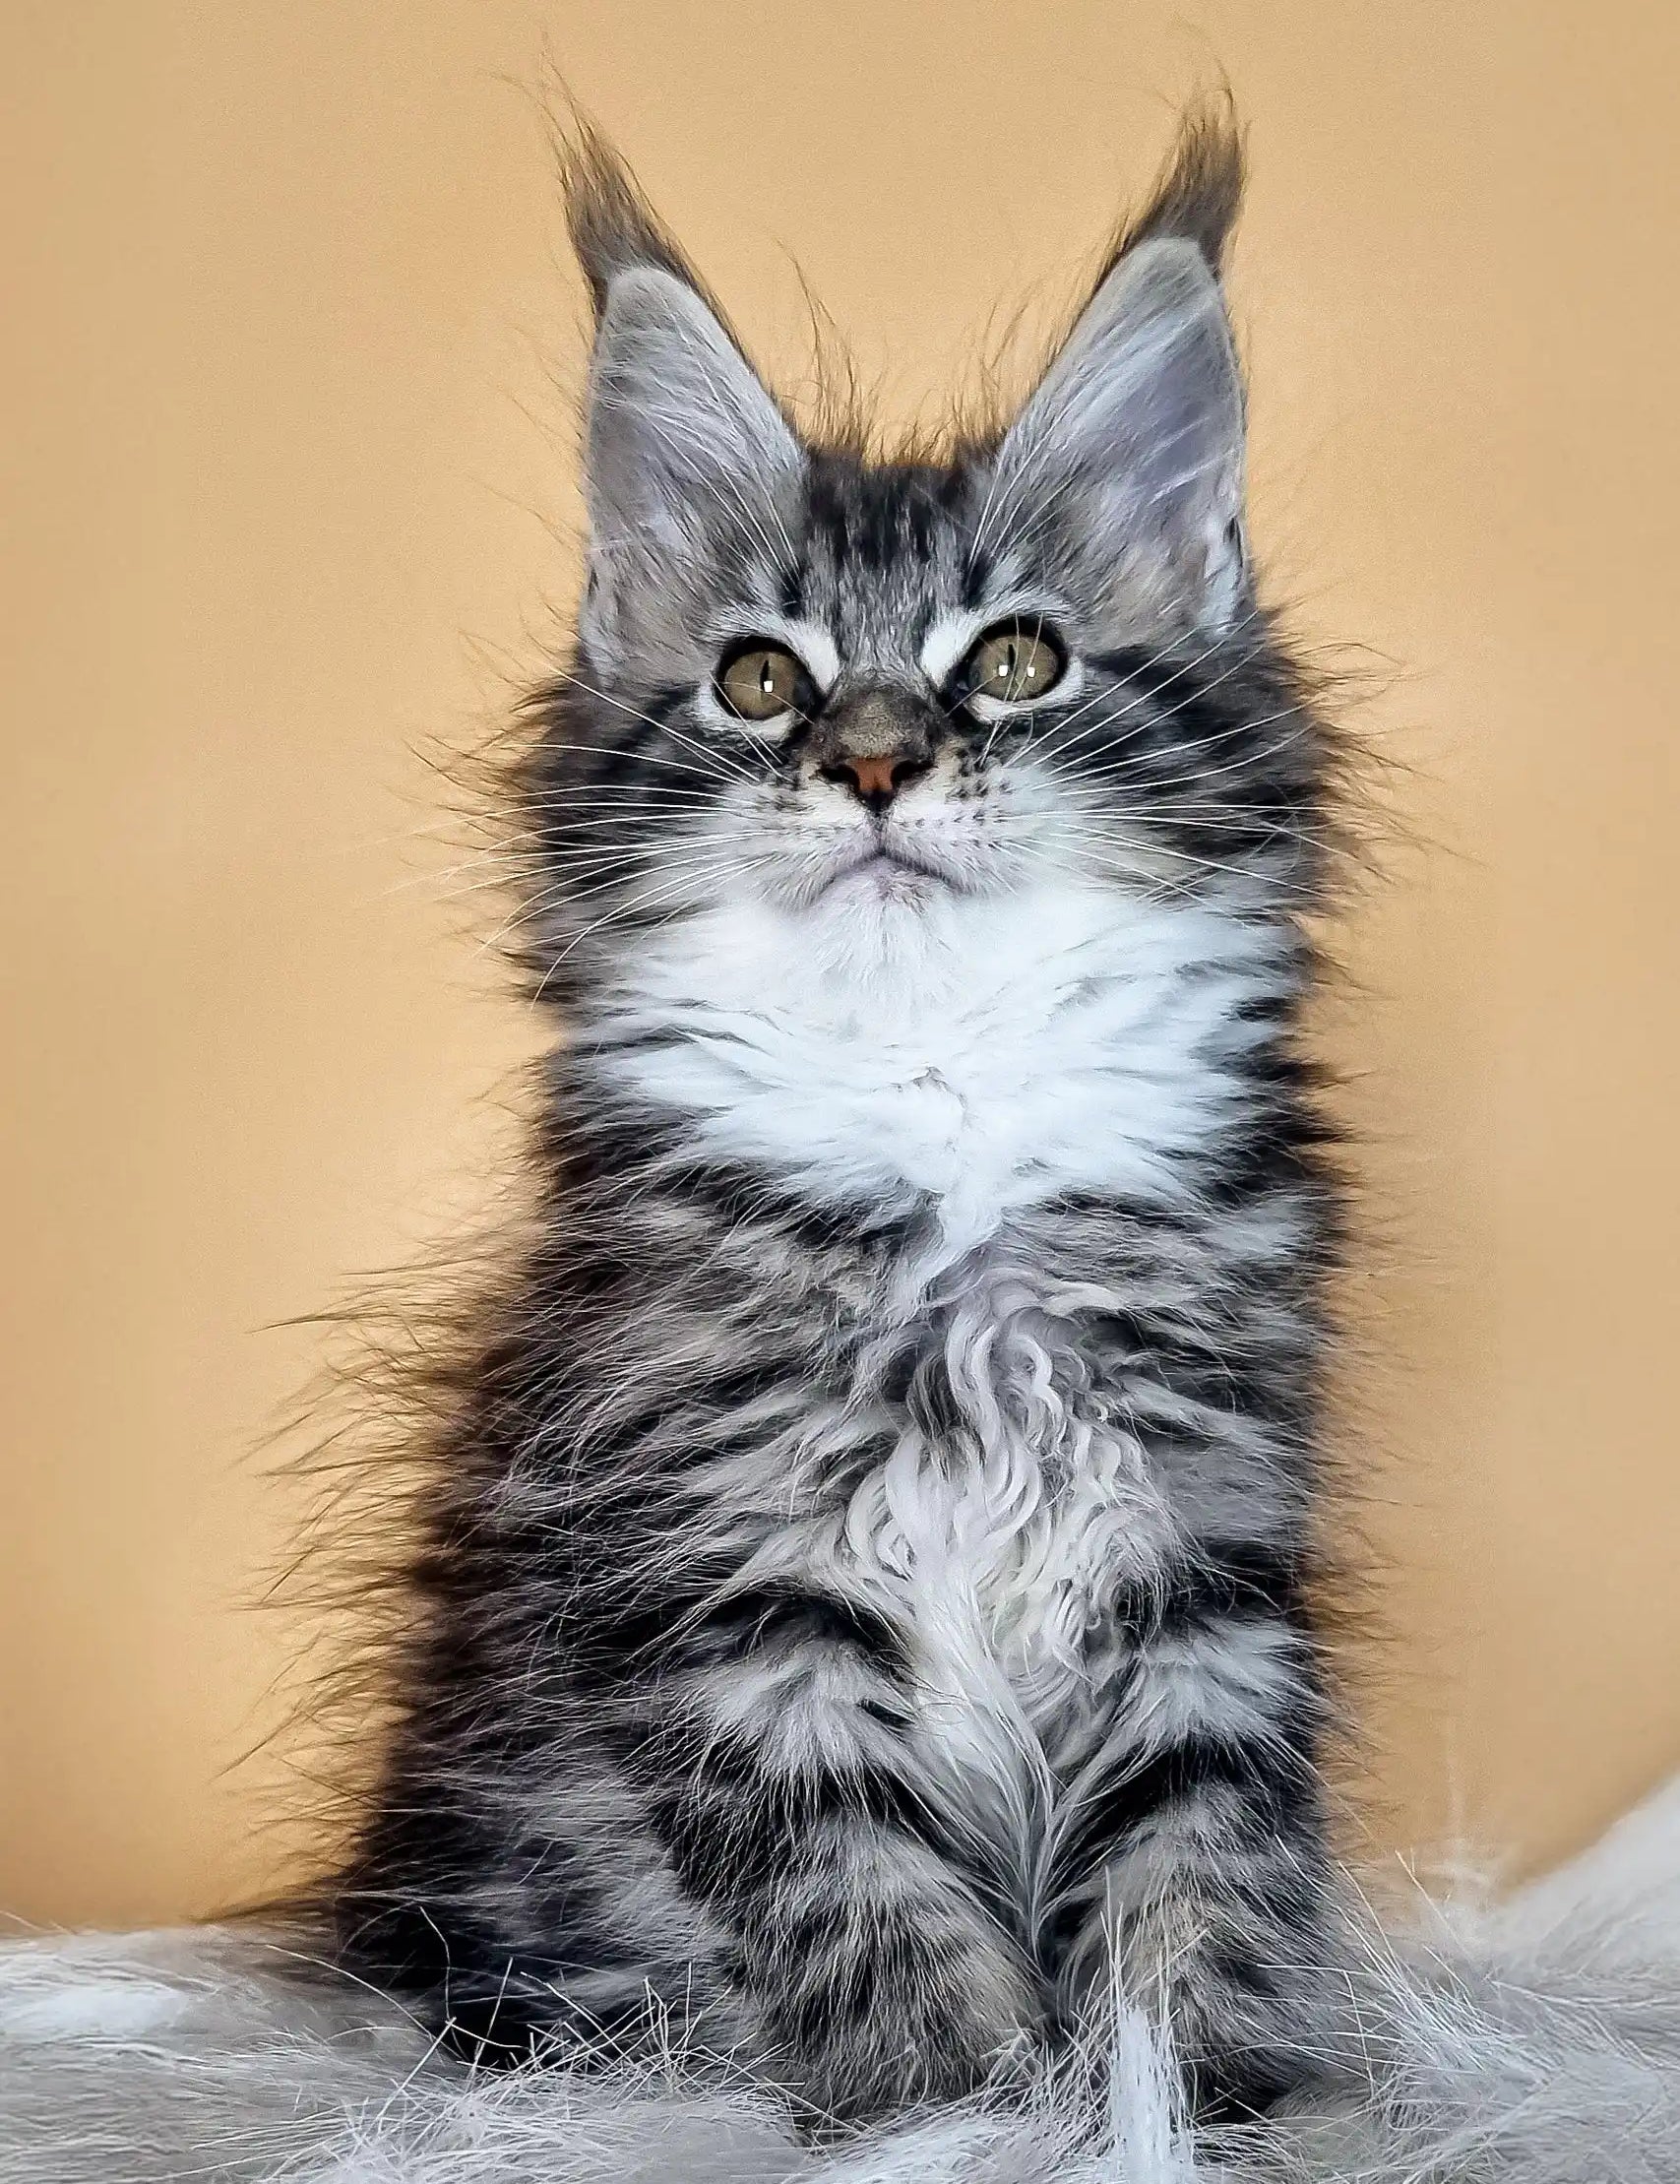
(892, 868)
(876, 863)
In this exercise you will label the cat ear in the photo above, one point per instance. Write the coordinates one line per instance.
(1127, 461)
(686, 453)
(687, 456)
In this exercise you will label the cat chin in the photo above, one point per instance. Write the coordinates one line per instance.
(903, 874)
(870, 881)
(886, 880)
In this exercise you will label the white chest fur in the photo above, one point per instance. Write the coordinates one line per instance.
(982, 1054)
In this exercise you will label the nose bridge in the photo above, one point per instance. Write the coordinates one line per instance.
(873, 742)
(877, 724)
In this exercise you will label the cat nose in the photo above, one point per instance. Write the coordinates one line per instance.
(876, 780)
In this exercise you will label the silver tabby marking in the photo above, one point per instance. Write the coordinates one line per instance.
(865, 1608)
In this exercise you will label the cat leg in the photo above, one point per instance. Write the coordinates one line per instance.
(540, 1917)
(1194, 1877)
(879, 1975)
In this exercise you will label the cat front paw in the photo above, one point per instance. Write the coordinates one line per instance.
(875, 2041)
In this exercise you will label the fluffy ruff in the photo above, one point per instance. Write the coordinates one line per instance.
(1538, 2042)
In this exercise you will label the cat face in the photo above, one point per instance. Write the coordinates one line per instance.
(847, 690)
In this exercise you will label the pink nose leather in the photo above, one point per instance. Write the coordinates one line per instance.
(875, 777)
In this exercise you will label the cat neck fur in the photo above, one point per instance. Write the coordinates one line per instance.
(974, 1057)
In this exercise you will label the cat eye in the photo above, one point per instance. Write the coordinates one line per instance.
(762, 682)
(1011, 666)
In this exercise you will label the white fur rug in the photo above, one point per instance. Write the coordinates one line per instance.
(1538, 2042)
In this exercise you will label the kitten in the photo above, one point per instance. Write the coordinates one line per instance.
(864, 1611)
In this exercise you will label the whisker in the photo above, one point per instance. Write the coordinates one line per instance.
(621, 822)
(635, 902)
(564, 894)
(719, 760)
(643, 757)
(1092, 772)
(1120, 839)
(1129, 696)
(1189, 783)
(601, 858)
(611, 792)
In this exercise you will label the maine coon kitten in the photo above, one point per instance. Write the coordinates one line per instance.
(863, 1612)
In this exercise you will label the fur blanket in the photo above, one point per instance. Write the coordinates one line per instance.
(1537, 2041)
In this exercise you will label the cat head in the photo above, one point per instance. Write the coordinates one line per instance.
(845, 689)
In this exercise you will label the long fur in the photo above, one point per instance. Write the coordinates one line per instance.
(1531, 2042)
(865, 1601)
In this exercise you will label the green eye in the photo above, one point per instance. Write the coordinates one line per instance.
(762, 682)
(1013, 665)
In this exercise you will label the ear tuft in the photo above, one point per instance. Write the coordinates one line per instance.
(1198, 193)
(612, 226)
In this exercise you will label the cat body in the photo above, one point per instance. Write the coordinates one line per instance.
(864, 1612)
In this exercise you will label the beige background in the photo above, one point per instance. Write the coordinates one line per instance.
(291, 461)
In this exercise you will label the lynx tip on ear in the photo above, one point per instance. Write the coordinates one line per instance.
(612, 226)
(1198, 193)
